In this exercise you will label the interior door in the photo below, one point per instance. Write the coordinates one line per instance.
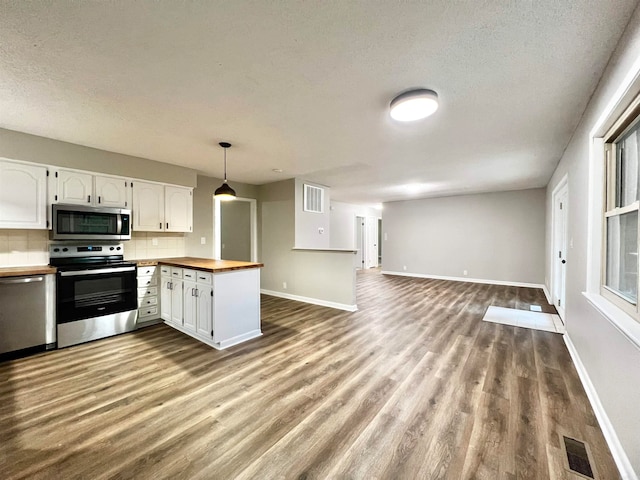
(360, 244)
(372, 242)
(560, 250)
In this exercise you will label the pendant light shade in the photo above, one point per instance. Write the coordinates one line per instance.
(224, 192)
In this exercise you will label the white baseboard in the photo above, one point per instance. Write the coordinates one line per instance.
(618, 453)
(314, 301)
(465, 279)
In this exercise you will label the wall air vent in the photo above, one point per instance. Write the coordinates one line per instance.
(313, 199)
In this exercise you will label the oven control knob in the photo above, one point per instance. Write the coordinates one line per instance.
(56, 249)
(111, 248)
(118, 248)
(65, 249)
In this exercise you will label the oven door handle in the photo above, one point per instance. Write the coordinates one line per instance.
(79, 273)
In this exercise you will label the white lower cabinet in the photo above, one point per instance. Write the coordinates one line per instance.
(220, 309)
(198, 301)
(171, 295)
(165, 293)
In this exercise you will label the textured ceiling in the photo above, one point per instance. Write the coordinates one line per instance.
(305, 86)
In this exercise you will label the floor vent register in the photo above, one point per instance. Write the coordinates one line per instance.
(578, 457)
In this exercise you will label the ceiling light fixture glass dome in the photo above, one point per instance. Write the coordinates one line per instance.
(414, 105)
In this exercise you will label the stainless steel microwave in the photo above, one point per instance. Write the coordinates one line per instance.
(77, 222)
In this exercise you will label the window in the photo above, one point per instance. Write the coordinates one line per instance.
(622, 200)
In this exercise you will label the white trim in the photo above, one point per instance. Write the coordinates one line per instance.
(563, 184)
(546, 294)
(313, 301)
(618, 453)
(230, 342)
(465, 279)
(624, 323)
(217, 228)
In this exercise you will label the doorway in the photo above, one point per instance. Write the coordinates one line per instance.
(559, 240)
(235, 229)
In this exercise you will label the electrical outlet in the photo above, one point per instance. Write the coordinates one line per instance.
(284, 285)
(154, 242)
(404, 267)
(464, 272)
(203, 240)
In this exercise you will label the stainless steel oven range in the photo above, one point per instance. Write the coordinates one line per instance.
(96, 291)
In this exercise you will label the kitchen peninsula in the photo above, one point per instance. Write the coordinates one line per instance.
(214, 301)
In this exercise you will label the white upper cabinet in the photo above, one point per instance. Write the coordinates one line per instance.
(178, 209)
(111, 191)
(23, 195)
(81, 188)
(148, 207)
(162, 208)
(74, 187)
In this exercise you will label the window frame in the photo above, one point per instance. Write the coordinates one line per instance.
(628, 121)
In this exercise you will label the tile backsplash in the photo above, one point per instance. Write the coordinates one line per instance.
(154, 245)
(20, 248)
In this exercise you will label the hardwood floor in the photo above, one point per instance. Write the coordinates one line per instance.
(412, 386)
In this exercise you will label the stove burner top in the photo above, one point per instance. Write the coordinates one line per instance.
(86, 255)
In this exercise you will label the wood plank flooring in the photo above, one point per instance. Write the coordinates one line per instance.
(412, 386)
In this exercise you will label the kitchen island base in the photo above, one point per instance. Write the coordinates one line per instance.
(220, 309)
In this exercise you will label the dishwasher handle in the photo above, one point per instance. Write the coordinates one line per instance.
(10, 281)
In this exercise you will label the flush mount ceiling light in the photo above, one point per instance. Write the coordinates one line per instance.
(414, 105)
(225, 192)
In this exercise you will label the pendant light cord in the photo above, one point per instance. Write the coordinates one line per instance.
(225, 165)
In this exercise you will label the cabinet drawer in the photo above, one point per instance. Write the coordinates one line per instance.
(164, 270)
(204, 277)
(146, 292)
(189, 274)
(148, 311)
(147, 281)
(143, 271)
(176, 272)
(147, 301)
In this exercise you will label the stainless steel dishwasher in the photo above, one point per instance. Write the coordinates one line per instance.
(23, 314)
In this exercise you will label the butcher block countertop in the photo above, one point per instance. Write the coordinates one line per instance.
(205, 264)
(22, 271)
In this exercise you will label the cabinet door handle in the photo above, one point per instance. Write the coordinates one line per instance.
(99, 199)
(88, 198)
(160, 225)
(197, 295)
(167, 225)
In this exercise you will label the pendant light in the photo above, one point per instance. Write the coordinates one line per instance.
(225, 192)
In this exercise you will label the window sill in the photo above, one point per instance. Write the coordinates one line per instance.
(619, 319)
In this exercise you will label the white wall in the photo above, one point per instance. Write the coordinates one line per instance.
(308, 224)
(317, 276)
(31, 148)
(343, 223)
(203, 214)
(609, 358)
(494, 236)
